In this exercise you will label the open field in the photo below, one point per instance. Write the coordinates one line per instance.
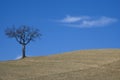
(77, 65)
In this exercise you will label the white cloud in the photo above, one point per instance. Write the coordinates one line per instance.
(71, 19)
(87, 21)
(18, 57)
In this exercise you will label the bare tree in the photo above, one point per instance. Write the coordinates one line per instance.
(23, 35)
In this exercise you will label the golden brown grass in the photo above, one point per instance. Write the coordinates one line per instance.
(77, 65)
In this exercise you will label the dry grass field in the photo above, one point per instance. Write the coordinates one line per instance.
(101, 64)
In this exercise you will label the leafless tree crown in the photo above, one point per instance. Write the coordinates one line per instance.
(23, 34)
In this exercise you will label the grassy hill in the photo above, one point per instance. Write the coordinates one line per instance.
(77, 65)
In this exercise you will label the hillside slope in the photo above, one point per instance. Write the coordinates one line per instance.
(77, 65)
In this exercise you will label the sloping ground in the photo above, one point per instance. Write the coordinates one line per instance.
(108, 72)
(78, 65)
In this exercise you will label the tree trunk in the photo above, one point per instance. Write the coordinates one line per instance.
(23, 51)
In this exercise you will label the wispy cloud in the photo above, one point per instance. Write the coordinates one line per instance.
(87, 21)
(71, 19)
(18, 57)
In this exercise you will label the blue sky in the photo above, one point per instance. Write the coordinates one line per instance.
(66, 25)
